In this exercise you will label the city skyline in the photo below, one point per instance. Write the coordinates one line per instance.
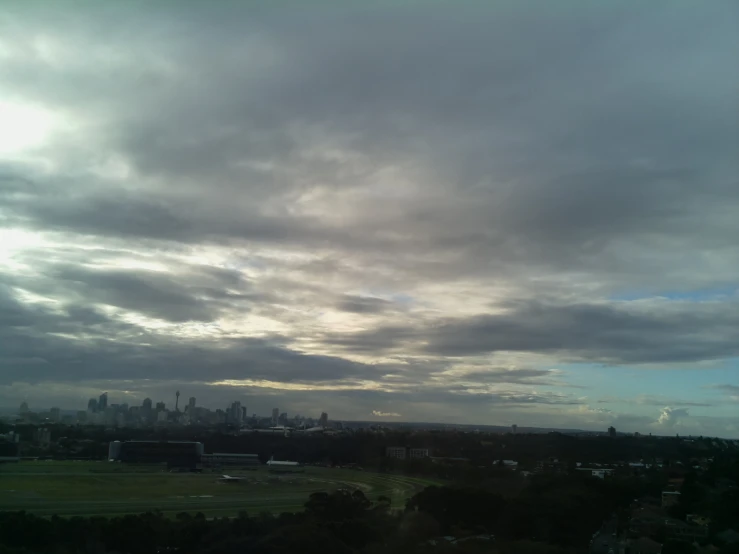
(511, 213)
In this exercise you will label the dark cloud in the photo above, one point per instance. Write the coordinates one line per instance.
(521, 376)
(500, 131)
(616, 332)
(727, 388)
(106, 349)
(149, 293)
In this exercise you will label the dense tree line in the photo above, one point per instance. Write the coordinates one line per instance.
(552, 513)
(367, 448)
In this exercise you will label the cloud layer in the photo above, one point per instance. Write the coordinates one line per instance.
(378, 209)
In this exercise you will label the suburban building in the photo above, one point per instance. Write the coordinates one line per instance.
(680, 530)
(600, 473)
(399, 452)
(228, 459)
(670, 498)
(173, 453)
(644, 545)
(415, 453)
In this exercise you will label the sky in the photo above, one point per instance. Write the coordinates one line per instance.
(495, 212)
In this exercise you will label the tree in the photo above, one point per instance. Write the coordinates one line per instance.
(678, 547)
(339, 505)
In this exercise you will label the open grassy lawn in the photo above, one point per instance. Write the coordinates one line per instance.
(102, 488)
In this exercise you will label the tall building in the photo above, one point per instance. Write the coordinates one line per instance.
(42, 436)
(92, 406)
(243, 413)
(103, 402)
(24, 408)
(146, 411)
(234, 413)
(323, 420)
(160, 407)
(611, 431)
(191, 404)
(282, 419)
(177, 402)
(514, 428)
(275, 416)
(55, 414)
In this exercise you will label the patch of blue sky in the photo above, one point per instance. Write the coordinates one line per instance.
(621, 385)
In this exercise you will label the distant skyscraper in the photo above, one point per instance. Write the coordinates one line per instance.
(234, 414)
(323, 420)
(243, 413)
(514, 428)
(160, 407)
(177, 402)
(92, 406)
(146, 411)
(24, 408)
(55, 414)
(103, 402)
(275, 415)
(283, 419)
(191, 404)
(611, 431)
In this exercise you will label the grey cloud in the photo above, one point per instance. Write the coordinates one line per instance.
(605, 332)
(149, 293)
(732, 389)
(731, 392)
(655, 400)
(546, 377)
(185, 293)
(109, 349)
(363, 305)
(146, 216)
(651, 400)
(392, 338)
(95, 356)
(500, 132)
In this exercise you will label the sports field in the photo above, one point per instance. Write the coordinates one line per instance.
(103, 488)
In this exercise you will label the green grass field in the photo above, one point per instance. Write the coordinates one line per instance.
(102, 488)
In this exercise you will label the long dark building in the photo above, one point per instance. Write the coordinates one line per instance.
(173, 453)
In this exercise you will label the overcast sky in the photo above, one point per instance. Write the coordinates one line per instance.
(476, 212)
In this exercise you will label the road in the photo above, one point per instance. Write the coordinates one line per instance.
(606, 539)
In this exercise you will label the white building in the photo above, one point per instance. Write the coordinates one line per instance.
(399, 452)
(415, 453)
(281, 463)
